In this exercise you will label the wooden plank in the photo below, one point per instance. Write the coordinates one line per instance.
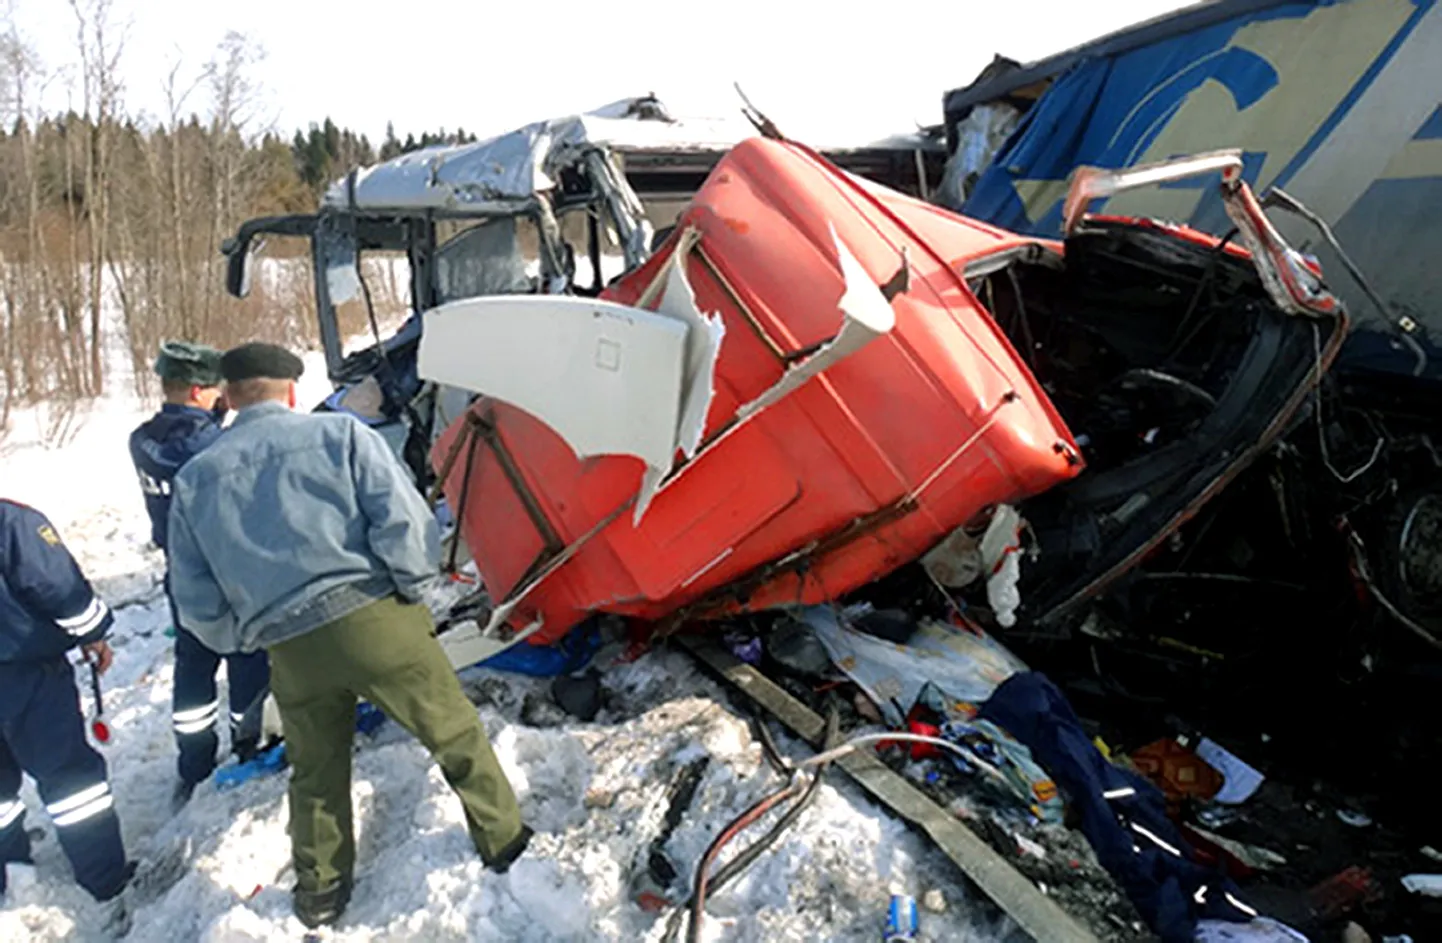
(1032, 910)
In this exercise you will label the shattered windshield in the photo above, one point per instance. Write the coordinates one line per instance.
(483, 260)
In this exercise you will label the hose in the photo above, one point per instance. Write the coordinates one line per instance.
(740, 823)
(703, 884)
(744, 859)
(837, 753)
(769, 748)
(695, 905)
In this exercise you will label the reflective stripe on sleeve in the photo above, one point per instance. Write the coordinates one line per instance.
(87, 621)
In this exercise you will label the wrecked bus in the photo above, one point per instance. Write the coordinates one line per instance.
(469, 220)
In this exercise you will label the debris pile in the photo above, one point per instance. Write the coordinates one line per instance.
(1174, 837)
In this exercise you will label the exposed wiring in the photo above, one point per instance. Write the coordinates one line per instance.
(769, 748)
(1404, 325)
(704, 883)
(1027, 341)
(698, 895)
(695, 905)
(1359, 557)
(836, 753)
(736, 865)
(1321, 426)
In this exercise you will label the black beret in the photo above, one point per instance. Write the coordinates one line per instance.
(258, 360)
(183, 362)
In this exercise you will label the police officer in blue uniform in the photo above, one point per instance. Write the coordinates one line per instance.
(47, 607)
(189, 421)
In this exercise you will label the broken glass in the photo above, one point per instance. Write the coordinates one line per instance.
(483, 260)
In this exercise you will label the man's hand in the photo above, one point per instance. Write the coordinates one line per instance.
(99, 654)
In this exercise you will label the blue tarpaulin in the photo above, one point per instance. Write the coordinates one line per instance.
(1339, 102)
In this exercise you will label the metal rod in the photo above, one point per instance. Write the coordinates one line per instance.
(745, 312)
(460, 509)
(453, 453)
(518, 483)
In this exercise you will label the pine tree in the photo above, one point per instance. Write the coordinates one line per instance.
(390, 147)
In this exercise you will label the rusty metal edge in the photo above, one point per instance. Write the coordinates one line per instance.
(1036, 914)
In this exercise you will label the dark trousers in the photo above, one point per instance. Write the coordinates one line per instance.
(196, 707)
(387, 654)
(42, 732)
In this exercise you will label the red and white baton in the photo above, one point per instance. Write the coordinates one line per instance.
(98, 726)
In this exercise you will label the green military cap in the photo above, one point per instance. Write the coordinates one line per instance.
(184, 362)
(258, 360)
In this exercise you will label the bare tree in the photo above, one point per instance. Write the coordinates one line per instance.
(234, 97)
(98, 209)
(30, 344)
(14, 64)
(100, 44)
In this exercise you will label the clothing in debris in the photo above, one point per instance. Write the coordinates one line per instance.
(159, 448)
(1122, 814)
(303, 534)
(48, 607)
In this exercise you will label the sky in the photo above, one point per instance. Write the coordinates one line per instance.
(491, 66)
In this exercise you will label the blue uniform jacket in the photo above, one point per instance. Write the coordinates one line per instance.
(47, 605)
(159, 447)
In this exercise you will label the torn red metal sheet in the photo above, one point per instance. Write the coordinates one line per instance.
(863, 402)
(850, 474)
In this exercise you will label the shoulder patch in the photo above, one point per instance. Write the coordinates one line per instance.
(47, 534)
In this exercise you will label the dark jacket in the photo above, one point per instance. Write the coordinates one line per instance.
(47, 606)
(1123, 815)
(159, 447)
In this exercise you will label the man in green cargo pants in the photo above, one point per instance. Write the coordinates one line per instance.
(303, 535)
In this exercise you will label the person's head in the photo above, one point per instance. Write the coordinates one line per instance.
(258, 372)
(189, 373)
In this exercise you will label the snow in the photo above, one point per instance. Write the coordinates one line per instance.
(218, 871)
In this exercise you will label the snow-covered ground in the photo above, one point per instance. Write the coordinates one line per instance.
(222, 861)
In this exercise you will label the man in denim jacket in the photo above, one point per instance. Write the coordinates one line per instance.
(301, 534)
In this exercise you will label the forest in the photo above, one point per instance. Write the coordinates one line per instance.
(111, 220)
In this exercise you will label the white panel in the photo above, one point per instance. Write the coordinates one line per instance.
(605, 377)
(703, 347)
